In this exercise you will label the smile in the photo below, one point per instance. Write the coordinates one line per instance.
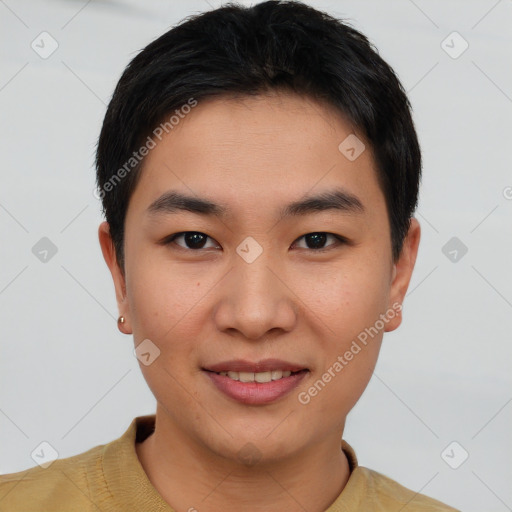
(257, 377)
(255, 388)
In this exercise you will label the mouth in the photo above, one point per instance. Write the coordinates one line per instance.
(265, 365)
(255, 383)
(261, 377)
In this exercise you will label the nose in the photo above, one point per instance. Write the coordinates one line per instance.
(255, 299)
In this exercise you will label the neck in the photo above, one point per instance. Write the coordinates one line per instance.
(191, 478)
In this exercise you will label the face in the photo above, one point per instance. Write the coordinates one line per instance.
(251, 270)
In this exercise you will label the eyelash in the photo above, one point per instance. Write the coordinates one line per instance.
(339, 240)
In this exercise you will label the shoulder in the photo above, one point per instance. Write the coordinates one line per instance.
(391, 494)
(64, 485)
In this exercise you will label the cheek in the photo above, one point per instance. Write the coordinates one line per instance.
(349, 303)
(164, 296)
(347, 297)
(165, 305)
(158, 309)
(338, 391)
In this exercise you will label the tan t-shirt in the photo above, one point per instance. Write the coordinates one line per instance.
(110, 478)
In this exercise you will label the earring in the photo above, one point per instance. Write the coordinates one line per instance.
(120, 320)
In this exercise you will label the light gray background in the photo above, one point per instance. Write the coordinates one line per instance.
(67, 376)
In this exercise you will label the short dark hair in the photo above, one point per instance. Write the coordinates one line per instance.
(242, 51)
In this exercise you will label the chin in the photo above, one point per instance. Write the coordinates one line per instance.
(267, 443)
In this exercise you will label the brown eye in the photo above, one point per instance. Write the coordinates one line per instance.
(316, 241)
(193, 240)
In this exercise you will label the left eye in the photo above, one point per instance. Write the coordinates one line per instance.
(318, 239)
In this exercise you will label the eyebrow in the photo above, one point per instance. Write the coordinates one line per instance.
(338, 199)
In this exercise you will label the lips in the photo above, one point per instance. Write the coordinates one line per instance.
(265, 365)
(255, 393)
(255, 383)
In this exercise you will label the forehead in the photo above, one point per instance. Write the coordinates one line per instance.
(253, 152)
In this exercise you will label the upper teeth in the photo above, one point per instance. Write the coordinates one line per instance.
(257, 377)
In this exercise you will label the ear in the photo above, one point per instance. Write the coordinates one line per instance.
(402, 272)
(109, 254)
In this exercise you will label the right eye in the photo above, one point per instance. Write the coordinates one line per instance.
(193, 240)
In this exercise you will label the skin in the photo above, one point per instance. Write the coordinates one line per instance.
(204, 306)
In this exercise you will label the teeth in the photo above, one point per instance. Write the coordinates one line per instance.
(263, 377)
(246, 377)
(257, 377)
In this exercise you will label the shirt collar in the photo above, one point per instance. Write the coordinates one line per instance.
(128, 486)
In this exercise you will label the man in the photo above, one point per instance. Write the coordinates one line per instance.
(259, 170)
